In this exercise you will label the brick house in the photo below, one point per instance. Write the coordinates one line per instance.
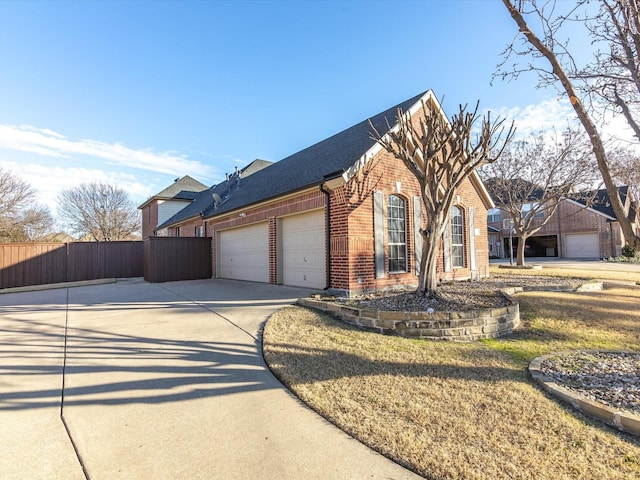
(165, 204)
(574, 231)
(341, 215)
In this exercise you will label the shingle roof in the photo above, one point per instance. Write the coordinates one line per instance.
(185, 188)
(204, 199)
(602, 201)
(303, 169)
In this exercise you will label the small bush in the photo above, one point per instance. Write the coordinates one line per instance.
(629, 252)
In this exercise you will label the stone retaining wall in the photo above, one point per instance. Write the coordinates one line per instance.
(460, 326)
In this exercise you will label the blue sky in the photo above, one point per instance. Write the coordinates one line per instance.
(138, 93)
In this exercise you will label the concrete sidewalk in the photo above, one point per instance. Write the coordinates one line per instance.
(162, 381)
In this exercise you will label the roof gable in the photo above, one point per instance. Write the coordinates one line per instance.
(184, 188)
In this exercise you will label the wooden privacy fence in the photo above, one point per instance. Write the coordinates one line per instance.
(169, 259)
(24, 264)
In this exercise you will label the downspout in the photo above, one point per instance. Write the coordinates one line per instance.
(328, 235)
(613, 242)
(559, 239)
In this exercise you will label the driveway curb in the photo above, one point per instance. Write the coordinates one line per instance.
(51, 286)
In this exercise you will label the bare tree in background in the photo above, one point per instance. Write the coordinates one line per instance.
(21, 218)
(533, 176)
(98, 211)
(610, 82)
(625, 167)
(441, 155)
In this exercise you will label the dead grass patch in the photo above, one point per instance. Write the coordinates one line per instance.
(465, 411)
(612, 273)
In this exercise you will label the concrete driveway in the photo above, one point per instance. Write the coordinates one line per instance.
(158, 381)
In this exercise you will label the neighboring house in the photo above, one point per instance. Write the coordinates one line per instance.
(165, 204)
(342, 214)
(574, 231)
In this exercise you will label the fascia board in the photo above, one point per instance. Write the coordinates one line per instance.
(429, 96)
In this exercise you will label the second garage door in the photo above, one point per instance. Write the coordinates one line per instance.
(582, 245)
(303, 250)
(243, 253)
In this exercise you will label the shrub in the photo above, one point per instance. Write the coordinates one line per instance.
(629, 252)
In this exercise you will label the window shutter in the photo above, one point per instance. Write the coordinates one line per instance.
(417, 238)
(472, 238)
(378, 227)
(446, 244)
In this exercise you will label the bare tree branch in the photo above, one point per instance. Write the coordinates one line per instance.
(573, 84)
(535, 175)
(98, 211)
(441, 155)
(21, 218)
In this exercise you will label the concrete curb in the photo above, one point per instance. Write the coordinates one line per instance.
(624, 421)
(50, 286)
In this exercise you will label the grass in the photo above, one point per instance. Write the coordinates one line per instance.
(613, 272)
(464, 411)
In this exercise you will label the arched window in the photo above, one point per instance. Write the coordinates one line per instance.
(397, 233)
(457, 237)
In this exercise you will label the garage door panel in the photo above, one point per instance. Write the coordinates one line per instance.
(303, 250)
(244, 253)
(582, 245)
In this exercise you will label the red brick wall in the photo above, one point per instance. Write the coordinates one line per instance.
(352, 228)
(149, 219)
(188, 228)
(573, 218)
(302, 202)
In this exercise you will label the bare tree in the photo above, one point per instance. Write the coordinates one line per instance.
(533, 176)
(621, 40)
(625, 167)
(21, 217)
(98, 211)
(614, 75)
(441, 155)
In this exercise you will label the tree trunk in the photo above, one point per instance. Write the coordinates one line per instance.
(428, 279)
(522, 241)
(587, 123)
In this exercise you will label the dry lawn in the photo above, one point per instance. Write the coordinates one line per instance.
(614, 271)
(463, 411)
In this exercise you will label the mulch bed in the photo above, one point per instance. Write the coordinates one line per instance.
(458, 296)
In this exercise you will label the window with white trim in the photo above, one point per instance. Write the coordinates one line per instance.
(457, 237)
(493, 215)
(198, 231)
(527, 210)
(397, 233)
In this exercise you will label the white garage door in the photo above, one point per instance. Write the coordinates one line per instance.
(303, 250)
(243, 253)
(583, 245)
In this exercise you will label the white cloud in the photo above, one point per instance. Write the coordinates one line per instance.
(558, 114)
(548, 114)
(48, 143)
(50, 181)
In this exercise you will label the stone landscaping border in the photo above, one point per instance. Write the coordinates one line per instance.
(460, 326)
(624, 421)
(464, 326)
